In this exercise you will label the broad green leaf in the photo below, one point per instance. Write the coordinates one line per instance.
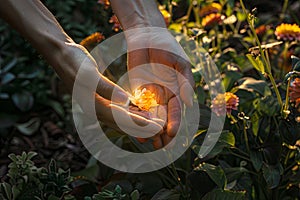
(252, 85)
(230, 78)
(29, 127)
(257, 63)
(8, 77)
(23, 100)
(216, 173)
(135, 195)
(226, 139)
(256, 158)
(220, 194)
(57, 107)
(6, 190)
(272, 174)
(164, 194)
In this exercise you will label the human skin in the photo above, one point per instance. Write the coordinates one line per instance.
(38, 25)
(144, 26)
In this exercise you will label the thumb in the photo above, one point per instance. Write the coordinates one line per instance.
(109, 90)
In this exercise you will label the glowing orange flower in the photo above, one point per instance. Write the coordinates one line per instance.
(211, 20)
(92, 39)
(288, 32)
(144, 99)
(105, 3)
(165, 14)
(210, 8)
(228, 100)
(117, 26)
(294, 91)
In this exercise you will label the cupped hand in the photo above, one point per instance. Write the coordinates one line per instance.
(157, 62)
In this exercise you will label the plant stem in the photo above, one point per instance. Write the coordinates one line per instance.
(286, 104)
(284, 8)
(267, 64)
(246, 136)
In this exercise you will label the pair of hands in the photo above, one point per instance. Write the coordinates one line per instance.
(31, 18)
(157, 62)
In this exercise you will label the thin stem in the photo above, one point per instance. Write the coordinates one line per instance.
(284, 8)
(268, 65)
(286, 104)
(246, 136)
(240, 156)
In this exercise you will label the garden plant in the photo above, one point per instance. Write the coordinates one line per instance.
(255, 47)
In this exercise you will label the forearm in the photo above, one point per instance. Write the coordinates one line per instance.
(138, 13)
(35, 22)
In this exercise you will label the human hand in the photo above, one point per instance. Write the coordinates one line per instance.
(157, 62)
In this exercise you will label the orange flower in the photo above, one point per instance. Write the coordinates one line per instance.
(144, 99)
(117, 26)
(92, 40)
(209, 9)
(294, 91)
(165, 14)
(261, 30)
(211, 20)
(288, 32)
(228, 100)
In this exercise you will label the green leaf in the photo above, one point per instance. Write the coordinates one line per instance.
(216, 173)
(272, 174)
(257, 63)
(6, 190)
(226, 139)
(8, 77)
(295, 63)
(220, 194)
(164, 194)
(256, 158)
(175, 27)
(252, 85)
(230, 78)
(29, 127)
(135, 195)
(57, 107)
(10, 65)
(31, 154)
(23, 100)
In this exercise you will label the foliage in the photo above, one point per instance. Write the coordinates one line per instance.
(30, 182)
(258, 153)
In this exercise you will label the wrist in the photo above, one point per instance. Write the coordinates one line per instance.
(138, 14)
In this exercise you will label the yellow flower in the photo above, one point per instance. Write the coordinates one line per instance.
(222, 102)
(210, 8)
(144, 99)
(92, 40)
(211, 20)
(165, 14)
(288, 32)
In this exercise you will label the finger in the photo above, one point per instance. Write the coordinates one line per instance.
(185, 80)
(109, 90)
(130, 122)
(157, 142)
(174, 116)
(166, 139)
